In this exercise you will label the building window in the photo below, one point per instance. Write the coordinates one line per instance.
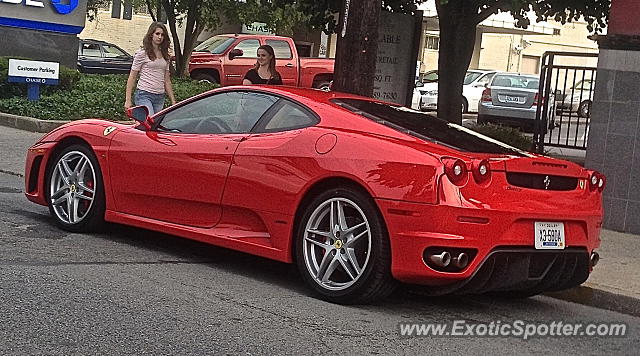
(431, 42)
(556, 32)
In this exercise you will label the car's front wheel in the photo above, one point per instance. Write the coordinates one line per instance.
(342, 248)
(75, 190)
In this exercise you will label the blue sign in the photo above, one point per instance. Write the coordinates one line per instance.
(33, 85)
(45, 81)
(64, 9)
(66, 16)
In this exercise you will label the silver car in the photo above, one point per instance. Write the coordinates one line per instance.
(512, 99)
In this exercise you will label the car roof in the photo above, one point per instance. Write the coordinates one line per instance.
(94, 41)
(483, 71)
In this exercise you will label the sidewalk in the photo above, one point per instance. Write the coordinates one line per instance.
(614, 283)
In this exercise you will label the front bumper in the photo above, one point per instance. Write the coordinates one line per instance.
(503, 243)
(35, 171)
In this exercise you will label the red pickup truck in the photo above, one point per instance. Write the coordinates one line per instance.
(225, 59)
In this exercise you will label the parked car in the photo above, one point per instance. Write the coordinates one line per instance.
(225, 59)
(473, 85)
(102, 58)
(512, 99)
(578, 98)
(360, 194)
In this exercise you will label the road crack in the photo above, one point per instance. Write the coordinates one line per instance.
(11, 173)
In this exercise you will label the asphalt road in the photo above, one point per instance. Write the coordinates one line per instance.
(132, 291)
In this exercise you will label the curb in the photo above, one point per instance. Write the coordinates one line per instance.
(600, 299)
(29, 123)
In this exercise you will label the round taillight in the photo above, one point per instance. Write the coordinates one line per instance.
(602, 182)
(597, 181)
(456, 171)
(481, 171)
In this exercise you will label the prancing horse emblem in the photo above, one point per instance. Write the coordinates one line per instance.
(546, 182)
(109, 130)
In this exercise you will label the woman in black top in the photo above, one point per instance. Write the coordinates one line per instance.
(264, 71)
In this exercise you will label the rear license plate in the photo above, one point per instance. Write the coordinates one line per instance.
(549, 235)
(512, 99)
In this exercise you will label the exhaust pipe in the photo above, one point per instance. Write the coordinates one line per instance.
(441, 260)
(461, 261)
(595, 257)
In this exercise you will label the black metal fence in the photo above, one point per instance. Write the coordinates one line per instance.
(567, 94)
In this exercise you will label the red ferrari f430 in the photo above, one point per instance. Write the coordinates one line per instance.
(360, 194)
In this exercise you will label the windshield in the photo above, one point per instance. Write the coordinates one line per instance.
(215, 44)
(427, 127)
(516, 81)
(471, 76)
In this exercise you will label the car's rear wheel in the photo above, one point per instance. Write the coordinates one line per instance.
(481, 120)
(325, 86)
(584, 108)
(465, 106)
(342, 248)
(75, 191)
(205, 77)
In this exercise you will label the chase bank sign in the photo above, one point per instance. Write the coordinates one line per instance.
(65, 16)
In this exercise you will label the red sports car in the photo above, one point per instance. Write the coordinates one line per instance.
(359, 193)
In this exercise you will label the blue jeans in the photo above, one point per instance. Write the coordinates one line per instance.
(153, 102)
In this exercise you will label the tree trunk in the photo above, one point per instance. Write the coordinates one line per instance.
(457, 38)
(357, 47)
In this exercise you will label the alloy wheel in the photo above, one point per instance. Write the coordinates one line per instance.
(337, 244)
(72, 187)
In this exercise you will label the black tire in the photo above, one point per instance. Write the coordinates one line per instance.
(93, 215)
(584, 108)
(465, 106)
(323, 85)
(374, 280)
(206, 77)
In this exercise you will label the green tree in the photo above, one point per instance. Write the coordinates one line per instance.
(460, 18)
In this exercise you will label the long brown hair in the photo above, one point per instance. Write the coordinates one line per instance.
(272, 62)
(147, 42)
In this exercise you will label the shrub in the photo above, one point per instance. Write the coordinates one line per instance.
(508, 135)
(92, 95)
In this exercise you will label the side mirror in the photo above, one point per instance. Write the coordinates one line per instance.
(140, 114)
(235, 53)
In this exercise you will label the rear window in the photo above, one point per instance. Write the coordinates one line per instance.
(516, 81)
(427, 127)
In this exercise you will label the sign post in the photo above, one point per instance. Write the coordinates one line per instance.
(34, 74)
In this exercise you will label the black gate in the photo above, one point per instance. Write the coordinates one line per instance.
(567, 91)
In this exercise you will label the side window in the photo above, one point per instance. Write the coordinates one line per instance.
(281, 49)
(249, 47)
(486, 78)
(113, 52)
(224, 113)
(289, 116)
(91, 50)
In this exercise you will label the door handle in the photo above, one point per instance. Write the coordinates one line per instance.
(290, 65)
